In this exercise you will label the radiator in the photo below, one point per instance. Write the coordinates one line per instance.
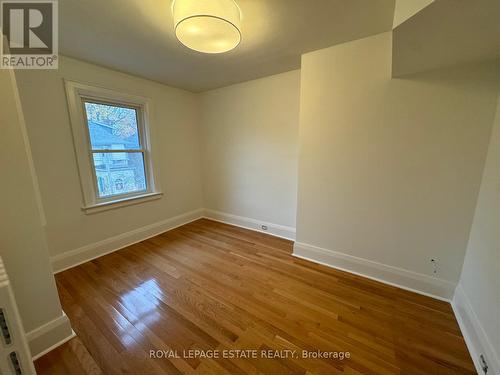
(15, 357)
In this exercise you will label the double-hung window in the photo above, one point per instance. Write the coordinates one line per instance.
(111, 136)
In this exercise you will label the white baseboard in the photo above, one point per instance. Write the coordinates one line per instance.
(72, 258)
(56, 345)
(83, 254)
(252, 224)
(474, 334)
(49, 336)
(399, 277)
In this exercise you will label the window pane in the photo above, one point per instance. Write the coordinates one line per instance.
(112, 127)
(119, 173)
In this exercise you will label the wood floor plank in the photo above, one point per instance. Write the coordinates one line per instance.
(162, 305)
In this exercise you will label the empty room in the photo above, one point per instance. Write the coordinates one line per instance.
(250, 187)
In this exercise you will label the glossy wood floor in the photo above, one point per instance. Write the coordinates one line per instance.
(211, 286)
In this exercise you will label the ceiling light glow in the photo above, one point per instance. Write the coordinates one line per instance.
(208, 26)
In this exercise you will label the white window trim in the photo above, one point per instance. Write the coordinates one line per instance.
(76, 93)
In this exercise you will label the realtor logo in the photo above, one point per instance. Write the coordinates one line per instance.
(30, 34)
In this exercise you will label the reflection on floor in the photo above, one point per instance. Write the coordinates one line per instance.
(207, 287)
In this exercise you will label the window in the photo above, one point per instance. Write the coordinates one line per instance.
(112, 145)
(116, 148)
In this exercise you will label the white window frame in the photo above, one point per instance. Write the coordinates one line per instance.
(79, 93)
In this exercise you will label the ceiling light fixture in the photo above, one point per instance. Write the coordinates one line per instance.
(209, 26)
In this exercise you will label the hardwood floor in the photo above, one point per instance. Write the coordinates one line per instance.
(210, 286)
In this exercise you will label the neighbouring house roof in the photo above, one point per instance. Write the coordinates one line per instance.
(102, 135)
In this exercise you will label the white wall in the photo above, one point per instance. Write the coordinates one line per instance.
(405, 9)
(249, 154)
(477, 301)
(389, 169)
(175, 152)
(250, 148)
(22, 240)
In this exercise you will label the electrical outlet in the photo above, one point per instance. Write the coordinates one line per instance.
(434, 263)
(263, 227)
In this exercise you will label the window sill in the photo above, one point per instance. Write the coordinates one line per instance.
(117, 203)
